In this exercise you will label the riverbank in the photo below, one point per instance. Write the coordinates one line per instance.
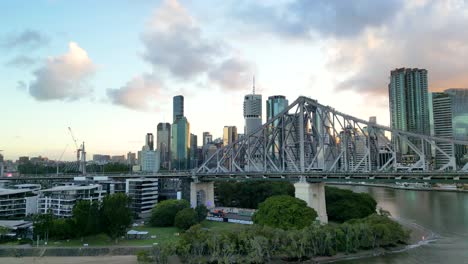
(394, 186)
(419, 236)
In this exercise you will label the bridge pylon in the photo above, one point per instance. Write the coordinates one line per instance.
(314, 195)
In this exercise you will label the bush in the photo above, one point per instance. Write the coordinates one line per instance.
(344, 205)
(202, 212)
(285, 212)
(163, 214)
(186, 218)
(144, 257)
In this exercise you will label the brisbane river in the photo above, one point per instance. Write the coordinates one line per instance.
(444, 214)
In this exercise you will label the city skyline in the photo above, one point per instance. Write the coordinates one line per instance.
(132, 92)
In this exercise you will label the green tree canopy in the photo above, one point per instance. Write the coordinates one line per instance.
(86, 217)
(343, 205)
(250, 194)
(285, 212)
(116, 214)
(163, 214)
(202, 212)
(186, 218)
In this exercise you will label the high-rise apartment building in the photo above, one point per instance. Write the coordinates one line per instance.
(450, 116)
(150, 141)
(409, 106)
(180, 142)
(178, 106)
(164, 143)
(229, 135)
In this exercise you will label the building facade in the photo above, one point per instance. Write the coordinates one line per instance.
(180, 142)
(17, 203)
(207, 138)
(143, 194)
(450, 120)
(61, 199)
(131, 158)
(178, 107)
(164, 144)
(252, 113)
(149, 141)
(275, 105)
(229, 135)
(409, 105)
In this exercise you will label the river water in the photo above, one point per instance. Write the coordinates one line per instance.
(443, 213)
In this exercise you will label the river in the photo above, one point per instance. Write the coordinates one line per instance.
(444, 213)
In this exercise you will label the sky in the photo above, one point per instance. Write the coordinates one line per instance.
(109, 69)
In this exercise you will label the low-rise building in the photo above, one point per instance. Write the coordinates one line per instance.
(143, 194)
(17, 203)
(61, 199)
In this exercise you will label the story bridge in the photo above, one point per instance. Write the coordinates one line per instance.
(311, 144)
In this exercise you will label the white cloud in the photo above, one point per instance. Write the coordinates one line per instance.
(64, 77)
(143, 92)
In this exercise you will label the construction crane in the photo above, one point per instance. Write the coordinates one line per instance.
(61, 156)
(79, 150)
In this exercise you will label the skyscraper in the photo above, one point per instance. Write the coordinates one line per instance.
(275, 105)
(229, 135)
(180, 136)
(180, 142)
(193, 151)
(164, 143)
(150, 141)
(178, 106)
(450, 116)
(252, 112)
(207, 138)
(409, 106)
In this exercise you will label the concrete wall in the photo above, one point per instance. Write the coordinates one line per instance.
(314, 195)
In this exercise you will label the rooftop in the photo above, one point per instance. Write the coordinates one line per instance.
(72, 188)
(12, 191)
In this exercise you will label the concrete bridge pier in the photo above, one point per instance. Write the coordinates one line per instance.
(202, 193)
(314, 195)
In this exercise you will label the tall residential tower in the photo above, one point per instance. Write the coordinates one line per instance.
(163, 141)
(409, 106)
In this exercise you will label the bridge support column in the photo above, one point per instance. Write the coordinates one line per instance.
(314, 195)
(202, 193)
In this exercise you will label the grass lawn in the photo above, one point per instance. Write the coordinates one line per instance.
(163, 235)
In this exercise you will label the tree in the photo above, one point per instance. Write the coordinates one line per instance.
(42, 224)
(343, 205)
(163, 214)
(202, 212)
(87, 218)
(116, 214)
(285, 212)
(250, 194)
(186, 218)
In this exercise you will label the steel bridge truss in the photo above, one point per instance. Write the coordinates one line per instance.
(310, 137)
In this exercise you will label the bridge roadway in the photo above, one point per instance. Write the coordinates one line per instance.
(312, 176)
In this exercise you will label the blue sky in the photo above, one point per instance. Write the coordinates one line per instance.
(109, 69)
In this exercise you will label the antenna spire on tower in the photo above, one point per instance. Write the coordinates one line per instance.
(253, 87)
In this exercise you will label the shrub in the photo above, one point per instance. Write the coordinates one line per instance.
(163, 214)
(186, 218)
(202, 212)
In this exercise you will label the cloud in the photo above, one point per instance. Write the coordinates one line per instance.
(21, 61)
(63, 77)
(28, 39)
(423, 36)
(325, 18)
(143, 92)
(233, 74)
(174, 42)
